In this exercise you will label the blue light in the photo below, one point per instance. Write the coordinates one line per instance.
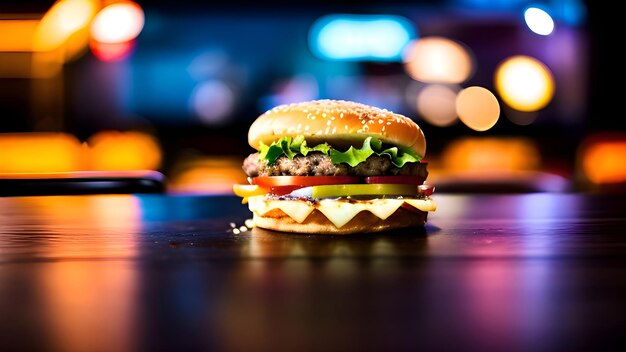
(570, 12)
(361, 37)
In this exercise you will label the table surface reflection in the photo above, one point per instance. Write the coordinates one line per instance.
(161, 272)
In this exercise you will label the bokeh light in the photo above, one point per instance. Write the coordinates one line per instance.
(64, 18)
(603, 160)
(206, 175)
(111, 52)
(524, 83)
(213, 101)
(539, 21)
(360, 37)
(123, 151)
(477, 108)
(22, 33)
(436, 103)
(39, 152)
(118, 22)
(438, 60)
(491, 154)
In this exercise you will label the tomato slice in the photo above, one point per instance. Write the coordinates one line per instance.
(302, 181)
(426, 190)
(282, 190)
(396, 180)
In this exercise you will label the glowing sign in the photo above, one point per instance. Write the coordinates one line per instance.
(361, 37)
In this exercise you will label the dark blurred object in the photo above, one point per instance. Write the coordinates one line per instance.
(75, 183)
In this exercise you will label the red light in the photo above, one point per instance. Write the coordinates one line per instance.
(111, 52)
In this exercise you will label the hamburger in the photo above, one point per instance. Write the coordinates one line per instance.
(336, 167)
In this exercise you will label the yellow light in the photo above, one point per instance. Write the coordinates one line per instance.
(438, 60)
(17, 35)
(486, 155)
(64, 19)
(524, 83)
(478, 108)
(118, 23)
(603, 161)
(120, 151)
(437, 104)
(39, 152)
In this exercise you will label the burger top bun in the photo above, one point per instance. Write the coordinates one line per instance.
(340, 123)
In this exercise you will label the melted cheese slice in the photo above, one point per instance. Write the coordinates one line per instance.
(338, 212)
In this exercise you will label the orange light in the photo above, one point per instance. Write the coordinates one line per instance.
(65, 18)
(119, 151)
(17, 35)
(76, 321)
(39, 152)
(603, 161)
(437, 104)
(478, 108)
(207, 176)
(486, 155)
(438, 60)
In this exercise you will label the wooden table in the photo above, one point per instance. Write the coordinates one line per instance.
(524, 272)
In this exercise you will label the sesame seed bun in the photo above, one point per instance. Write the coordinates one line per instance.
(339, 123)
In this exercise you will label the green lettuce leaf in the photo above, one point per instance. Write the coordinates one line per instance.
(290, 147)
(354, 156)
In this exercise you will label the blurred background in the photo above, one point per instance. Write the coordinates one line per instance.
(512, 95)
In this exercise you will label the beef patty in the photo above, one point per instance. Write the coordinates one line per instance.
(319, 164)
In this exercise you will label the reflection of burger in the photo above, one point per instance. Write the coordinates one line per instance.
(336, 167)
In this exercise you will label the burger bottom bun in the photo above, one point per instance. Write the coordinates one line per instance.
(318, 223)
